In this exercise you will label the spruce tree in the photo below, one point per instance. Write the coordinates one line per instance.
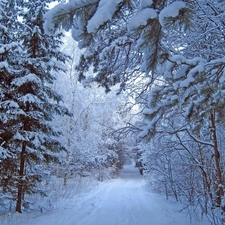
(10, 51)
(33, 139)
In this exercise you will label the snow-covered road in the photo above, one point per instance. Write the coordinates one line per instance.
(122, 201)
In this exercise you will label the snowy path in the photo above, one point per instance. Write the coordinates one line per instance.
(122, 201)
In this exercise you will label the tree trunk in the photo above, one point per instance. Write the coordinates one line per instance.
(206, 182)
(20, 192)
(219, 179)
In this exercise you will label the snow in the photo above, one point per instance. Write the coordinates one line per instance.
(122, 201)
(222, 78)
(77, 31)
(149, 111)
(28, 78)
(3, 153)
(104, 12)
(190, 78)
(141, 18)
(29, 98)
(171, 11)
(49, 17)
(7, 47)
(146, 3)
(9, 104)
(4, 64)
(217, 61)
(180, 59)
(18, 136)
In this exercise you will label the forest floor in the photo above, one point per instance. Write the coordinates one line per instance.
(121, 201)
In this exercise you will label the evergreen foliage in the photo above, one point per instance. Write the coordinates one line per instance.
(180, 46)
(28, 104)
(110, 41)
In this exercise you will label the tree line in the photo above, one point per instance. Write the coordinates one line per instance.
(169, 56)
(42, 136)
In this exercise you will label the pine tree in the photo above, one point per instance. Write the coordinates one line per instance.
(108, 47)
(127, 41)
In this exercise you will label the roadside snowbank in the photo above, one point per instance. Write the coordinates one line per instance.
(122, 201)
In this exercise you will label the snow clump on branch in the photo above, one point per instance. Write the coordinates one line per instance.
(141, 18)
(104, 13)
(171, 11)
(146, 3)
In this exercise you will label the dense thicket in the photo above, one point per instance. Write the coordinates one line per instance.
(41, 151)
(179, 46)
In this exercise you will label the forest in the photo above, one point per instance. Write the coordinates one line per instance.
(87, 84)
